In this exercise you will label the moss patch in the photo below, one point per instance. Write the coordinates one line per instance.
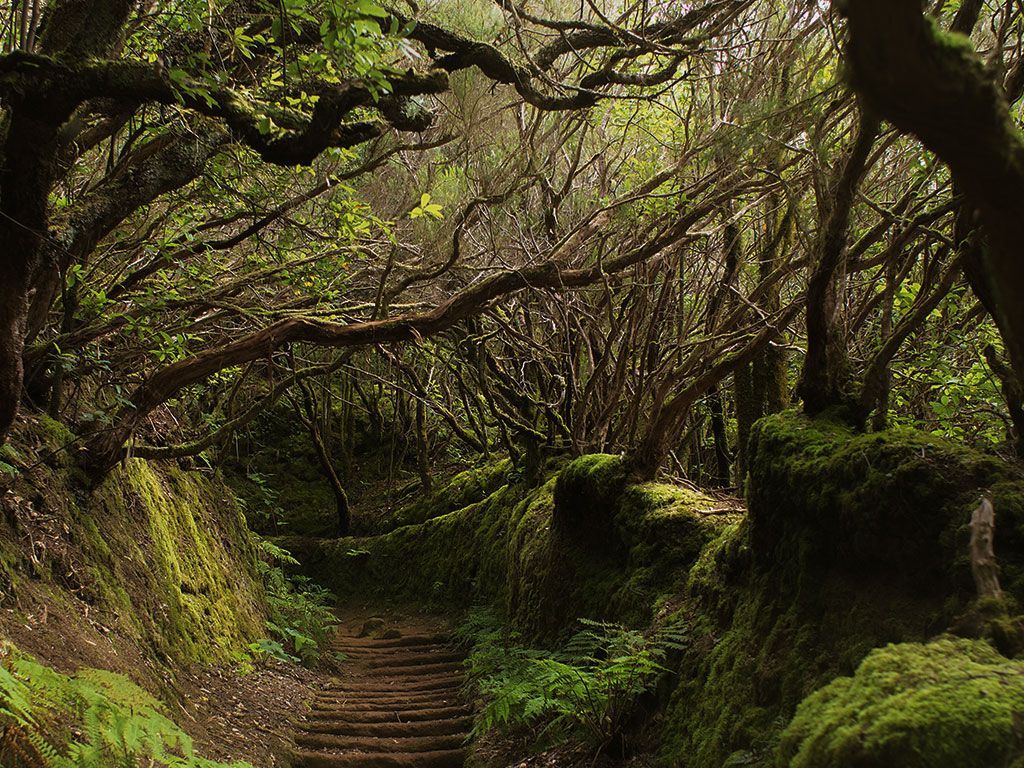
(949, 702)
(168, 549)
(586, 496)
(157, 553)
(877, 502)
(468, 487)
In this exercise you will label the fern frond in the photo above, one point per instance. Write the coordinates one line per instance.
(587, 689)
(107, 721)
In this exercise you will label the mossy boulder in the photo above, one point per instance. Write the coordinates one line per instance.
(852, 542)
(893, 503)
(950, 702)
(467, 487)
(587, 495)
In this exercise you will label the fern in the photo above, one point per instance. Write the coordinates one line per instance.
(588, 690)
(94, 719)
(275, 553)
(302, 620)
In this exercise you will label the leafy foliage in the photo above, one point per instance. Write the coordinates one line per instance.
(93, 719)
(426, 208)
(301, 620)
(587, 690)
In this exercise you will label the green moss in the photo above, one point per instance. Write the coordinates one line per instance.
(507, 550)
(879, 500)
(853, 541)
(668, 525)
(949, 702)
(586, 497)
(55, 434)
(159, 554)
(468, 487)
(168, 552)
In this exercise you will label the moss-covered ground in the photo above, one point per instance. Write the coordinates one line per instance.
(170, 553)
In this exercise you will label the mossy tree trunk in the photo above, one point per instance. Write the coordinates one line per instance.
(75, 31)
(723, 459)
(761, 387)
(716, 308)
(824, 380)
(423, 446)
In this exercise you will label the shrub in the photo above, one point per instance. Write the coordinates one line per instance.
(302, 619)
(586, 691)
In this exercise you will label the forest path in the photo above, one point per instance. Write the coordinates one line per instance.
(396, 703)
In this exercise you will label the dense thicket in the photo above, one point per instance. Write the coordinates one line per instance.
(524, 229)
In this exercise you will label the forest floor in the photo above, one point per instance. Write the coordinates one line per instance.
(231, 713)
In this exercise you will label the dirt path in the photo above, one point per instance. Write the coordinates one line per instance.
(396, 705)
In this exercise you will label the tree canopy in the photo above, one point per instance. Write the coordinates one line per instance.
(519, 227)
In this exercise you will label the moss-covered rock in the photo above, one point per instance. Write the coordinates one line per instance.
(895, 502)
(587, 497)
(946, 703)
(468, 487)
(507, 549)
(852, 542)
(169, 551)
(160, 554)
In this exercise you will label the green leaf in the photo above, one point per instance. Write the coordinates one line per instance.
(370, 8)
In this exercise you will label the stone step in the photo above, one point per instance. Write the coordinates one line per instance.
(455, 758)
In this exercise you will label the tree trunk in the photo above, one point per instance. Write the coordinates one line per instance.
(74, 30)
(880, 420)
(723, 461)
(309, 419)
(24, 188)
(824, 380)
(983, 557)
(423, 446)
(761, 387)
(933, 85)
(13, 308)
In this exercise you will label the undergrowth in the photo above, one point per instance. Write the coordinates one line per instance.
(93, 719)
(301, 618)
(586, 692)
